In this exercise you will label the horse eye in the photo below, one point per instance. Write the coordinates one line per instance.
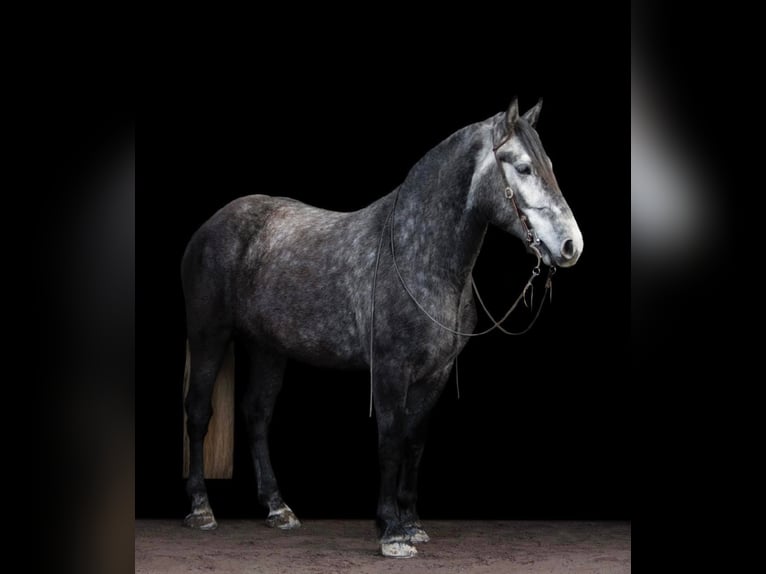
(523, 168)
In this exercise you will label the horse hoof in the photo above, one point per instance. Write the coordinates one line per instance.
(398, 550)
(284, 519)
(201, 520)
(416, 534)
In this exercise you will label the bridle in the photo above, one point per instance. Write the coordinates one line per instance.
(532, 242)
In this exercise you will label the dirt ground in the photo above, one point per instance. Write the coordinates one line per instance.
(346, 546)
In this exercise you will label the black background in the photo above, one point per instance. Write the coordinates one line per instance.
(542, 426)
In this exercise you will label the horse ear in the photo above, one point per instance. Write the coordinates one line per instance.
(534, 113)
(504, 125)
(512, 115)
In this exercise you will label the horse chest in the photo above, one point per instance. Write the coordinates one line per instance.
(403, 334)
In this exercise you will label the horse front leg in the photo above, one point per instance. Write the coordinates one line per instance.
(407, 494)
(391, 533)
(421, 399)
(390, 388)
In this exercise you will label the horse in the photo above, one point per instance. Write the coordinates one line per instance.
(386, 288)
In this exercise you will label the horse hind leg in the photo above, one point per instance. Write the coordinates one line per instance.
(266, 375)
(206, 359)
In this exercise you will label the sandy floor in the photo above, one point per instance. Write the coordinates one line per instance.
(335, 546)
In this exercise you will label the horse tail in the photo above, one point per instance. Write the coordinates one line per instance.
(219, 440)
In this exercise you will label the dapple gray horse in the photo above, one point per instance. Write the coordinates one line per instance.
(387, 288)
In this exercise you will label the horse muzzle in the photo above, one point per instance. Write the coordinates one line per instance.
(565, 254)
(569, 251)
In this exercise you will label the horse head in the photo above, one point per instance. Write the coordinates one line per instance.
(520, 194)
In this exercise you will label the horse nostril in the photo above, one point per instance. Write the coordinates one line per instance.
(567, 249)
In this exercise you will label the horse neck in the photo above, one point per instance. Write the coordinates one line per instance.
(436, 231)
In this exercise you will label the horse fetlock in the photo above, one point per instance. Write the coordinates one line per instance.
(283, 518)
